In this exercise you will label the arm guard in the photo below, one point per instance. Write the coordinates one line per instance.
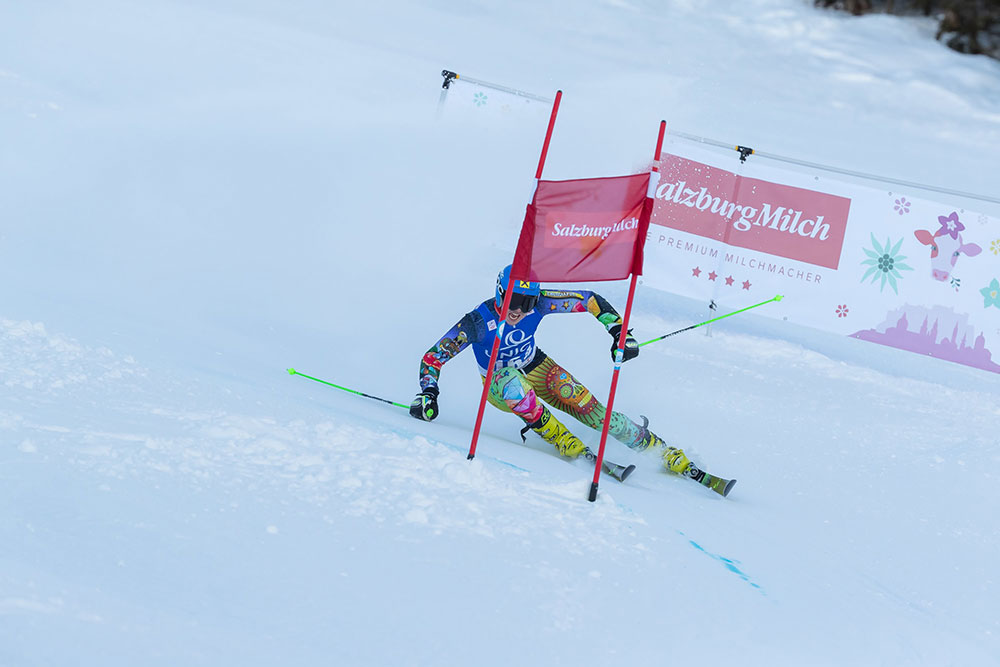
(468, 330)
(556, 301)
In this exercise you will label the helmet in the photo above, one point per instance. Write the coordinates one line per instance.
(528, 290)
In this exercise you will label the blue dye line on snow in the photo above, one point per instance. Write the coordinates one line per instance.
(620, 506)
(456, 448)
(411, 434)
(491, 458)
(730, 564)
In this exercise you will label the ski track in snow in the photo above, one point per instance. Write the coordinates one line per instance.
(342, 468)
(215, 206)
(330, 464)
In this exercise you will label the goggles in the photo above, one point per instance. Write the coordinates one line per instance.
(523, 302)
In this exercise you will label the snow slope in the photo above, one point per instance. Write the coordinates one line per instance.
(197, 196)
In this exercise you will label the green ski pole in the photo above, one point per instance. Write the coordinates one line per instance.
(716, 319)
(292, 371)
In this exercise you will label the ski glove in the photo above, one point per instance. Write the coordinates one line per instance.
(631, 345)
(425, 405)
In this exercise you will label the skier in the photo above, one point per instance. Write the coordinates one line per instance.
(525, 376)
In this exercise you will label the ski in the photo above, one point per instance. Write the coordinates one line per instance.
(720, 485)
(617, 471)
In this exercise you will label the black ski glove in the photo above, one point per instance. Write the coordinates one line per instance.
(425, 405)
(631, 345)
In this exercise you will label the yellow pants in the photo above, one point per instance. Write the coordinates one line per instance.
(523, 394)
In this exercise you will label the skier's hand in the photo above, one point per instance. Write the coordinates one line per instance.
(425, 405)
(631, 345)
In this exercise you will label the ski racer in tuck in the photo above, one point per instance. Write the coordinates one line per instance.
(526, 378)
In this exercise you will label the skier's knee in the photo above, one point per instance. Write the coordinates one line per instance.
(513, 390)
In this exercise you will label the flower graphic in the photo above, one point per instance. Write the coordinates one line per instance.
(842, 310)
(902, 206)
(950, 225)
(983, 219)
(885, 262)
(480, 100)
(995, 247)
(991, 294)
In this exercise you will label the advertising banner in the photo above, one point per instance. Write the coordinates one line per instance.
(884, 266)
(473, 99)
(584, 230)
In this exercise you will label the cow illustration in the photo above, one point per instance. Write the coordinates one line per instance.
(946, 245)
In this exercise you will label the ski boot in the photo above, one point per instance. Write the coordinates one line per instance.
(676, 461)
(553, 432)
(674, 458)
(646, 437)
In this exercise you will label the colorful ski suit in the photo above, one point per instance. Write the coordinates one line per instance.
(524, 373)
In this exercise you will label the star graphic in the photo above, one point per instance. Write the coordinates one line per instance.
(729, 280)
(696, 271)
(713, 275)
(746, 284)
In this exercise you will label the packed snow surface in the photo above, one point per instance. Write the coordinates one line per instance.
(197, 196)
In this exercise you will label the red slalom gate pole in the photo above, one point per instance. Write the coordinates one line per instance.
(507, 293)
(621, 345)
(548, 134)
(489, 370)
(614, 385)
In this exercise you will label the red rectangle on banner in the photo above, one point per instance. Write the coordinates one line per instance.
(782, 220)
(584, 230)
